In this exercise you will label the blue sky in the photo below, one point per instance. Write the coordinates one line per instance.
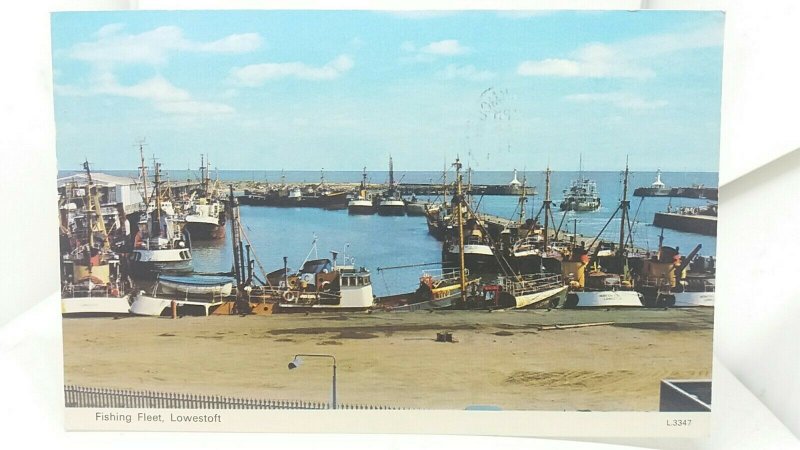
(339, 90)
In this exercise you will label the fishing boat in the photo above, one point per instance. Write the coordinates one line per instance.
(323, 285)
(92, 282)
(668, 280)
(159, 244)
(534, 251)
(415, 207)
(437, 218)
(361, 203)
(321, 196)
(467, 242)
(282, 194)
(656, 189)
(205, 216)
(479, 255)
(196, 285)
(438, 289)
(391, 203)
(143, 304)
(541, 290)
(582, 195)
(596, 281)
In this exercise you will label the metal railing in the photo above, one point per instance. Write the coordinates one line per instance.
(87, 397)
(529, 284)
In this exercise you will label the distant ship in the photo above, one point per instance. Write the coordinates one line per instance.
(391, 203)
(657, 189)
(205, 214)
(361, 203)
(582, 195)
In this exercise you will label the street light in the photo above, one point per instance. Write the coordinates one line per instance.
(298, 360)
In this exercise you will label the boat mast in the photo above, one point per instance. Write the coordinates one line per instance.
(236, 242)
(547, 202)
(157, 192)
(363, 192)
(522, 199)
(93, 207)
(202, 173)
(460, 215)
(144, 175)
(88, 207)
(624, 204)
(391, 175)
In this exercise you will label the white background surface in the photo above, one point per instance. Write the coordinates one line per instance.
(756, 337)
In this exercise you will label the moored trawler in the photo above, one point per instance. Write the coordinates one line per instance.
(391, 203)
(92, 282)
(361, 203)
(159, 244)
(323, 197)
(204, 218)
(606, 281)
(668, 280)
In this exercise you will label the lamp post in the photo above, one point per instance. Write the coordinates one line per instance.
(298, 360)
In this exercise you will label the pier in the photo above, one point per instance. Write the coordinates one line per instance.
(710, 193)
(699, 224)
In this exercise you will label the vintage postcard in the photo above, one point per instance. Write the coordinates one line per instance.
(485, 222)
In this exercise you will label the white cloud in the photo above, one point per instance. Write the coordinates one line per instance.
(163, 95)
(447, 47)
(258, 74)
(626, 59)
(468, 72)
(621, 100)
(432, 51)
(113, 46)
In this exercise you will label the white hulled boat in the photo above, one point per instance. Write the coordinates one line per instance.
(361, 203)
(391, 203)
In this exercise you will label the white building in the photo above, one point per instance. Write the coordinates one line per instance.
(113, 189)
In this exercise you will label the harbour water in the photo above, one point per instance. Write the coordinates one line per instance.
(380, 242)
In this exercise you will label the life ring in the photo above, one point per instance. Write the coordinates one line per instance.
(324, 286)
(289, 296)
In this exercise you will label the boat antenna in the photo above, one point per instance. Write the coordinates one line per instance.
(459, 214)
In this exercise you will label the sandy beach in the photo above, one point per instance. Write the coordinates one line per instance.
(508, 359)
